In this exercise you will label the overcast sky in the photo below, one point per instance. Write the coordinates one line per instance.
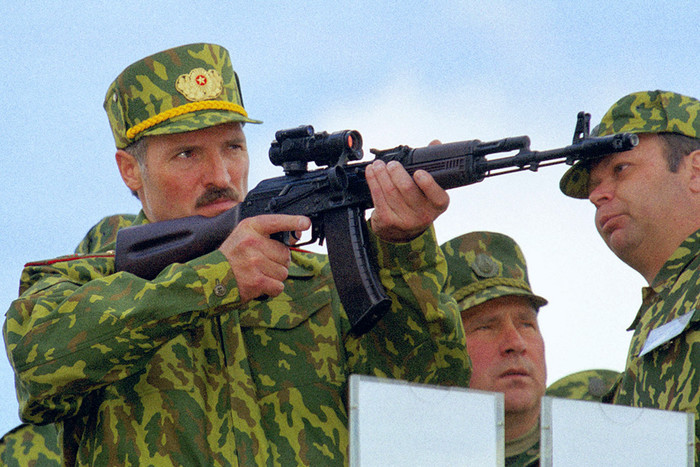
(399, 72)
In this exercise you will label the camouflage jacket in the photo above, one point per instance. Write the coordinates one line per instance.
(175, 371)
(30, 445)
(663, 362)
(524, 451)
(529, 458)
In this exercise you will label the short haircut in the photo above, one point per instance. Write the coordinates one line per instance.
(138, 149)
(678, 146)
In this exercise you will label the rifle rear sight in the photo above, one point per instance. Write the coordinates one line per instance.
(294, 148)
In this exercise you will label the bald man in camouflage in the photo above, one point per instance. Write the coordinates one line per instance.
(647, 210)
(238, 357)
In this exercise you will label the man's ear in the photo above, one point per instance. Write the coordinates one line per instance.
(130, 170)
(693, 160)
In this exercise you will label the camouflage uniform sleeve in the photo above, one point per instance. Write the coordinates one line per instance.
(78, 326)
(421, 338)
(31, 445)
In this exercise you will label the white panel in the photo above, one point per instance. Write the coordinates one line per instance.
(398, 423)
(582, 433)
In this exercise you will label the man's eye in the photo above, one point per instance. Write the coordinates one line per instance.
(620, 167)
(184, 155)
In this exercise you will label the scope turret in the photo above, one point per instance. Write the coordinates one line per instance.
(295, 147)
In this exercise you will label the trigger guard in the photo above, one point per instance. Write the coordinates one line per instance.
(283, 237)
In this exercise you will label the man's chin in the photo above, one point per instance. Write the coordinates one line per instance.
(520, 400)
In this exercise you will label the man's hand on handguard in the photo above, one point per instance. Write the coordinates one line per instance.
(404, 206)
(259, 263)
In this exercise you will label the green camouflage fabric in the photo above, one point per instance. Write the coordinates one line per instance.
(639, 112)
(524, 451)
(175, 371)
(31, 446)
(663, 362)
(588, 385)
(496, 268)
(181, 89)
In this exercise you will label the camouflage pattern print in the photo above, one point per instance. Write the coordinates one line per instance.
(588, 385)
(176, 371)
(639, 112)
(663, 362)
(31, 446)
(178, 90)
(524, 451)
(496, 268)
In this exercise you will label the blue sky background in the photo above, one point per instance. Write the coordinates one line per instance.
(399, 72)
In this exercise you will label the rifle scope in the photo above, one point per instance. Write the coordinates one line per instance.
(302, 145)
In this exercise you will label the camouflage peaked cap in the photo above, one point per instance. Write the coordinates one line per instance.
(640, 112)
(486, 265)
(182, 89)
(588, 385)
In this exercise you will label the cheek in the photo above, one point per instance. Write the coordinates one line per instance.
(481, 359)
(244, 180)
(538, 355)
(238, 174)
(174, 194)
(178, 188)
(241, 173)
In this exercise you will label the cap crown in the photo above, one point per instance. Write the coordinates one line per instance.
(652, 112)
(181, 89)
(486, 265)
(589, 385)
(639, 112)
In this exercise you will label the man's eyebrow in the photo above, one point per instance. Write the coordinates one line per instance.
(480, 319)
(238, 139)
(184, 147)
(528, 315)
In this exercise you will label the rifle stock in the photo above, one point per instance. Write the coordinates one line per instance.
(335, 199)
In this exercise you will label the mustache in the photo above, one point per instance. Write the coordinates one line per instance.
(214, 194)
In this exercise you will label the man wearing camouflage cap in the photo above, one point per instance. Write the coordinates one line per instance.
(240, 356)
(647, 204)
(487, 275)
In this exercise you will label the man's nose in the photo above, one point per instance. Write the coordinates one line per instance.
(601, 193)
(216, 172)
(511, 339)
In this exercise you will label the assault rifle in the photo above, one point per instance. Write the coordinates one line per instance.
(335, 197)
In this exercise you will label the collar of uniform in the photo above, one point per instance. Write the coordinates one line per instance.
(686, 252)
(527, 441)
(647, 295)
(141, 218)
(677, 262)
